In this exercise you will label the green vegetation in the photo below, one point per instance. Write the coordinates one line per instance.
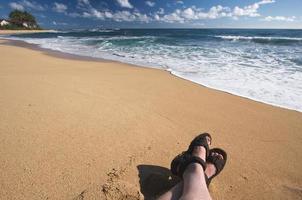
(21, 20)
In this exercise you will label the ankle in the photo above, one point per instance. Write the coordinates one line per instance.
(200, 152)
(194, 168)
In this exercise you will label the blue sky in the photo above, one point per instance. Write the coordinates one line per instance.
(70, 14)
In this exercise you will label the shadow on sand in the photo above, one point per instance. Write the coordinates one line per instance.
(155, 180)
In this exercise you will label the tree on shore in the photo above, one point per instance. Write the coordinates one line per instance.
(21, 16)
(21, 20)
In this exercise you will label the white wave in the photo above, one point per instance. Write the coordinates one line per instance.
(91, 38)
(232, 37)
(58, 31)
(100, 30)
(128, 37)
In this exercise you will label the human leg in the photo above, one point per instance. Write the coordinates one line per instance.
(195, 187)
(173, 194)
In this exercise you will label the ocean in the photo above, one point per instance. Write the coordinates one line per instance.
(263, 65)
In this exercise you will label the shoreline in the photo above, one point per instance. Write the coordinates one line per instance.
(60, 54)
(74, 129)
(50, 52)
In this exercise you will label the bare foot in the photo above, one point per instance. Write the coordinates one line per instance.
(200, 151)
(196, 168)
(211, 169)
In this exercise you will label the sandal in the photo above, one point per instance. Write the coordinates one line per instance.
(216, 161)
(189, 159)
(200, 140)
(184, 157)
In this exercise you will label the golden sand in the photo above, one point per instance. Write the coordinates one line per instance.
(6, 32)
(72, 129)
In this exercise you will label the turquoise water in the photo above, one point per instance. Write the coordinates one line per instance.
(264, 65)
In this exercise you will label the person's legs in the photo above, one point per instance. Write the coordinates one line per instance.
(173, 194)
(176, 191)
(195, 186)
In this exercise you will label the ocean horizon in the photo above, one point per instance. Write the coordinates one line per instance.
(260, 64)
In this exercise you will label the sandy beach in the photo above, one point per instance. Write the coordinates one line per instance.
(78, 129)
(5, 32)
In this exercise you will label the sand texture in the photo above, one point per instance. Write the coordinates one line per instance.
(72, 129)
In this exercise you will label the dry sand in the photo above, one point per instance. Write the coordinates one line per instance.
(6, 32)
(72, 129)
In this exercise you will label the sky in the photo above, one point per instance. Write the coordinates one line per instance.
(79, 14)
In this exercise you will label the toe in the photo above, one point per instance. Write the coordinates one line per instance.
(209, 140)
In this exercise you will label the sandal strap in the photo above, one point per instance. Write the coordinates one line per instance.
(200, 140)
(189, 160)
(181, 158)
(216, 161)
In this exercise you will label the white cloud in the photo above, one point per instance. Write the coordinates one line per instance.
(93, 13)
(150, 3)
(16, 6)
(84, 2)
(179, 2)
(193, 13)
(160, 11)
(280, 18)
(127, 16)
(218, 12)
(83, 5)
(21, 5)
(188, 13)
(266, 1)
(87, 10)
(59, 7)
(176, 16)
(250, 10)
(215, 12)
(124, 3)
(59, 23)
(33, 5)
(118, 16)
